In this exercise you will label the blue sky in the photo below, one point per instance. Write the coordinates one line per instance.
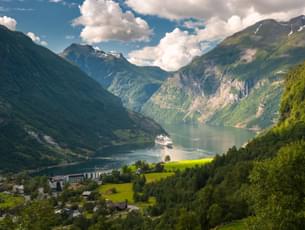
(164, 33)
(52, 22)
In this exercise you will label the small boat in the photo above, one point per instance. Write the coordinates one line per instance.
(164, 140)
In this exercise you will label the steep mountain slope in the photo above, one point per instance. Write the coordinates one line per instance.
(238, 83)
(133, 84)
(51, 111)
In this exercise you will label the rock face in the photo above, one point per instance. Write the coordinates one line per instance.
(133, 84)
(239, 83)
(51, 112)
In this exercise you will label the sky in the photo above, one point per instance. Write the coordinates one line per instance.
(164, 33)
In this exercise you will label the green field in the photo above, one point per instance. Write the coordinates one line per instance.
(10, 201)
(182, 165)
(152, 177)
(237, 225)
(179, 165)
(125, 192)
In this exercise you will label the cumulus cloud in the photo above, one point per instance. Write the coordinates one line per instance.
(210, 21)
(36, 39)
(10, 23)
(179, 8)
(104, 20)
(211, 8)
(175, 49)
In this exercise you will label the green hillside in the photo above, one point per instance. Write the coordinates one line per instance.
(50, 111)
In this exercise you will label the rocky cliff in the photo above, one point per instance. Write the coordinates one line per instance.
(239, 83)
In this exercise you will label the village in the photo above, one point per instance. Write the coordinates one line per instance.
(74, 195)
(85, 197)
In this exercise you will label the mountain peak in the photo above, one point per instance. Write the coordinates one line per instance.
(74, 47)
(90, 50)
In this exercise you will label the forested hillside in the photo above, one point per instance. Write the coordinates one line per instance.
(51, 112)
(263, 182)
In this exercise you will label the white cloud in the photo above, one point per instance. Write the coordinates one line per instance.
(36, 39)
(174, 50)
(224, 9)
(215, 20)
(10, 23)
(104, 20)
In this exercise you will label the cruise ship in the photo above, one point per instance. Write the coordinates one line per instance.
(164, 141)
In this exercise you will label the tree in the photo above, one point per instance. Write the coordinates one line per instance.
(278, 191)
(215, 215)
(159, 167)
(187, 221)
(7, 223)
(39, 215)
(167, 158)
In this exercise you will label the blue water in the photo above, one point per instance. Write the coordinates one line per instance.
(190, 142)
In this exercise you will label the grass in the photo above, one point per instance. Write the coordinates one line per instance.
(125, 191)
(179, 165)
(152, 177)
(182, 165)
(10, 201)
(237, 225)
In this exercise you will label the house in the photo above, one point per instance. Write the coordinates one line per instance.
(95, 209)
(59, 211)
(18, 189)
(132, 208)
(76, 178)
(76, 214)
(120, 206)
(57, 183)
(139, 171)
(93, 175)
(86, 194)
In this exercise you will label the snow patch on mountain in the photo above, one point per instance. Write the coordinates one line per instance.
(258, 28)
(301, 28)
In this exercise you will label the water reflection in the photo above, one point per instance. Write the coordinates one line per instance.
(190, 142)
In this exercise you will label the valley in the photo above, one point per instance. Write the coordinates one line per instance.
(95, 139)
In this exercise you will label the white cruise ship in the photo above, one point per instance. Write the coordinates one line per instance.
(164, 141)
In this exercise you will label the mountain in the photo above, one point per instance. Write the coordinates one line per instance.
(238, 83)
(51, 112)
(133, 84)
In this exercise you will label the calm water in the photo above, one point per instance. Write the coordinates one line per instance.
(190, 142)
